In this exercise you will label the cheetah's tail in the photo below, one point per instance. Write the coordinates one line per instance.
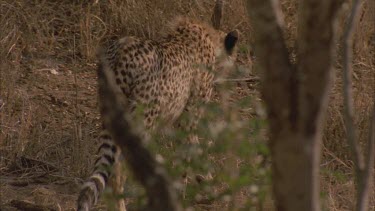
(94, 186)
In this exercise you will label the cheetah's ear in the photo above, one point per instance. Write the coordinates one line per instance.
(231, 41)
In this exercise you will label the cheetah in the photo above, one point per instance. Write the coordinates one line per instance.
(165, 76)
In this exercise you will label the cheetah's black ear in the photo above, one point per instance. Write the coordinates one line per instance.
(231, 41)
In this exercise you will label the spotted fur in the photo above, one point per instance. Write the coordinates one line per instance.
(165, 76)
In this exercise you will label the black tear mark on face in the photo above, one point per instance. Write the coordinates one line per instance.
(231, 41)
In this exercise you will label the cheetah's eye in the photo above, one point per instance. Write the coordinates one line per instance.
(230, 41)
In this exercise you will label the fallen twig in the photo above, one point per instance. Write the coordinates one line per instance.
(32, 163)
(29, 206)
(247, 80)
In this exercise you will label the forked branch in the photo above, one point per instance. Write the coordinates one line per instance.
(273, 58)
(316, 34)
(146, 169)
(296, 95)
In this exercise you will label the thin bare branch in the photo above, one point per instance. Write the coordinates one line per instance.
(347, 85)
(217, 14)
(248, 80)
(145, 167)
(363, 170)
(367, 173)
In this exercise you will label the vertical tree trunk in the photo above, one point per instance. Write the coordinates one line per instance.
(296, 96)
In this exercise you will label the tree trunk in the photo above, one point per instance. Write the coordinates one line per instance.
(296, 96)
(295, 171)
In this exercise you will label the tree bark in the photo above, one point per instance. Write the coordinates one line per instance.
(295, 95)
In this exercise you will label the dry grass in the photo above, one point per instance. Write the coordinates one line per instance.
(48, 84)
